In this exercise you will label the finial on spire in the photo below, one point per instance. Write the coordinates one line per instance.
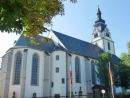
(98, 3)
(99, 13)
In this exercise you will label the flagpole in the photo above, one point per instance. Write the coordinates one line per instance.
(111, 80)
(70, 91)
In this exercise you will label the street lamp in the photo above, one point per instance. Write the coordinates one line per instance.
(103, 92)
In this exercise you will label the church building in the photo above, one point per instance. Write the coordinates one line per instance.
(43, 70)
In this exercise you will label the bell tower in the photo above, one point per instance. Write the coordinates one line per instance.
(101, 35)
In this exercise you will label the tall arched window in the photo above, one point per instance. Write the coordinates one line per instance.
(77, 70)
(93, 72)
(17, 70)
(109, 48)
(35, 70)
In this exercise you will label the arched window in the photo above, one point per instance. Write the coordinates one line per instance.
(77, 70)
(17, 70)
(35, 70)
(93, 72)
(109, 48)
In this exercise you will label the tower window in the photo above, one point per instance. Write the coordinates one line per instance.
(63, 80)
(57, 69)
(57, 57)
(109, 48)
(17, 72)
(95, 35)
(107, 34)
(52, 84)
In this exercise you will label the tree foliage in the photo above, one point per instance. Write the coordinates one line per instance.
(104, 76)
(120, 73)
(126, 56)
(124, 76)
(104, 59)
(29, 15)
(124, 69)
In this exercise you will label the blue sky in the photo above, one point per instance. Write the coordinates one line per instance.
(79, 19)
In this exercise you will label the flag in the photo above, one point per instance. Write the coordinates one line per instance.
(70, 75)
(110, 73)
(70, 80)
(111, 80)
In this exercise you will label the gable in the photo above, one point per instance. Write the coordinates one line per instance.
(56, 40)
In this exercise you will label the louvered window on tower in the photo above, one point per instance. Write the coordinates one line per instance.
(107, 35)
(95, 35)
(109, 48)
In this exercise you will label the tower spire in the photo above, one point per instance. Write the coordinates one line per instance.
(99, 13)
(101, 36)
(99, 18)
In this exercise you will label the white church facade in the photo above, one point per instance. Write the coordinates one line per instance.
(43, 70)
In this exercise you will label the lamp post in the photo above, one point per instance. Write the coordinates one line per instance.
(103, 92)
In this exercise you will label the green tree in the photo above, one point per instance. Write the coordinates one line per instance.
(124, 77)
(104, 59)
(125, 57)
(29, 15)
(124, 70)
(104, 75)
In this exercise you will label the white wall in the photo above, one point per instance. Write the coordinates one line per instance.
(0, 84)
(29, 89)
(14, 88)
(112, 49)
(99, 43)
(5, 73)
(25, 80)
(47, 74)
(58, 87)
(62, 63)
(76, 86)
(88, 75)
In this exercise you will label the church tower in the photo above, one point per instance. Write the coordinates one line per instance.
(101, 35)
